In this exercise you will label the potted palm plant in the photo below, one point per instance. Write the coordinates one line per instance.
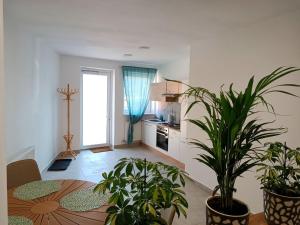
(280, 167)
(234, 133)
(141, 191)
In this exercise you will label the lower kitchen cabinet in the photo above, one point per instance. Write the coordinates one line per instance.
(149, 134)
(174, 144)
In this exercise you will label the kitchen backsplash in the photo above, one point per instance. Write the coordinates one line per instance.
(165, 108)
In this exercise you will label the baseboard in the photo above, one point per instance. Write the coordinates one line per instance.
(26, 153)
(167, 157)
(202, 186)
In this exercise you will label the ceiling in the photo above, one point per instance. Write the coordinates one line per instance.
(111, 28)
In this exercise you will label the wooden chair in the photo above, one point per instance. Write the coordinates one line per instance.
(22, 172)
(168, 215)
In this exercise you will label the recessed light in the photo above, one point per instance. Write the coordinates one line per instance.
(144, 47)
(127, 54)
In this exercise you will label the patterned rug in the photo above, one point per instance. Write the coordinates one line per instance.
(19, 220)
(84, 200)
(102, 149)
(36, 189)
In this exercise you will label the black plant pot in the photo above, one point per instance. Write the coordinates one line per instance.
(281, 209)
(214, 217)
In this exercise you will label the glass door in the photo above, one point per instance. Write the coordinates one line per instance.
(95, 108)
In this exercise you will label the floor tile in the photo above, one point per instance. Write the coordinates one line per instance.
(89, 166)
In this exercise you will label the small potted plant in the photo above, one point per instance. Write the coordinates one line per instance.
(234, 133)
(141, 191)
(280, 167)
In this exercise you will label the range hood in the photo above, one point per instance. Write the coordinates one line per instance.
(170, 97)
(166, 91)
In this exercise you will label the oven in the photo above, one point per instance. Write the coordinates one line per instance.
(162, 136)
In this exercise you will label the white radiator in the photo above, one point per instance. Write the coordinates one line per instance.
(27, 153)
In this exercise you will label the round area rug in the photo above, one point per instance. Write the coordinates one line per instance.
(84, 200)
(36, 189)
(19, 220)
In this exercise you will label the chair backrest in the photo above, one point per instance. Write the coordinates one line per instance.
(22, 172)
(168, 215)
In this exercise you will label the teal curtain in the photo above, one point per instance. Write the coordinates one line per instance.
(137, 89)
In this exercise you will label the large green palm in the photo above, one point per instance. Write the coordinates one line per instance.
(233, 129)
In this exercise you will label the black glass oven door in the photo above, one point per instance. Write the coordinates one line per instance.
(162, 140)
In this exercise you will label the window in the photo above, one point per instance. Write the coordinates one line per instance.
(151, 108)
(152, 105)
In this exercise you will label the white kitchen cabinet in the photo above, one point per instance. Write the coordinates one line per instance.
(172, 87)
(149, 134)
(174, 144)
(165, 91)
(183, 148)
(156, 92)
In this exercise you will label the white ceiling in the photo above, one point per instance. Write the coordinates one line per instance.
(110, 28)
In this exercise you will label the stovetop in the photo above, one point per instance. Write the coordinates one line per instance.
(164, 123)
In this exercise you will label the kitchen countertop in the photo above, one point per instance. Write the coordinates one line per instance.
(164, 124)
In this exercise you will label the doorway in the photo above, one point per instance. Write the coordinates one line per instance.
(95, 108)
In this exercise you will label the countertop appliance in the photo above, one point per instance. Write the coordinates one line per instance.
(162, 137)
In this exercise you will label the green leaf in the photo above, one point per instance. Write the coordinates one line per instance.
(182, 180)
(151, 209)
(155, 194)
(234, 135)
(129, 169)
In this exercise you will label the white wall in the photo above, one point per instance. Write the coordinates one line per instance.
(70, 72)
(254, 50)
(45, 109)
(19, 86)
(31, 72)
(3, 187)
(178, 69)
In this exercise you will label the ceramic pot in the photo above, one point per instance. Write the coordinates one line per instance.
(213, 217)
(281, 209)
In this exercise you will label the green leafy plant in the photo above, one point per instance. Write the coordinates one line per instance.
(233, 128)
(141, 190)
(280, 165)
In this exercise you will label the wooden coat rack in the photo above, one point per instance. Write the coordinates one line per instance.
(67, 92)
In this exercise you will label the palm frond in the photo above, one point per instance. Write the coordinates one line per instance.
(232, 131)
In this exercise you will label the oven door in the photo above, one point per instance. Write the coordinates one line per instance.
(162, 140)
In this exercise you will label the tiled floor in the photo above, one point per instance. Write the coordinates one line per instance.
(89, 166)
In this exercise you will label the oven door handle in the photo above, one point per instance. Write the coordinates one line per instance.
(163, 134)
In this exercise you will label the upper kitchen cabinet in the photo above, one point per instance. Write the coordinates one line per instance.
(166, 91)
(156, 91)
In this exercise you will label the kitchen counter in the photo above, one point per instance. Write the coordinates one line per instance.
(164, 124)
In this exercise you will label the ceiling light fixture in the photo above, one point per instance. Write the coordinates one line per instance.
(144, 47)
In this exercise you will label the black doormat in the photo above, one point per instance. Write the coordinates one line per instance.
(60, 164)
